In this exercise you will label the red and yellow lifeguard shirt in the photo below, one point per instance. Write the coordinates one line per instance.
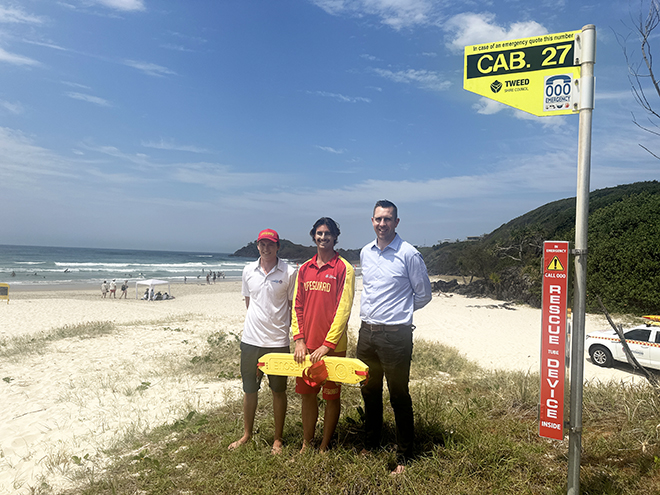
(322, 302)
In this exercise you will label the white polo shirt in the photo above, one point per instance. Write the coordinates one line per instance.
(268, 316)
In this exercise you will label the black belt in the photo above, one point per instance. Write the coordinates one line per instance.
(386, 328)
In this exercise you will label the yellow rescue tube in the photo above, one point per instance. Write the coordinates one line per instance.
(340, 369)
(652, 317)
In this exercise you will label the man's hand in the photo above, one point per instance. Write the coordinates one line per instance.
(318, 354)
(300, 351)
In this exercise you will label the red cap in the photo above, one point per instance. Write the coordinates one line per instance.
(268, 234)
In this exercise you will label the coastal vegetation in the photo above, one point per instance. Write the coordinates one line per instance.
(21, 345)
(295, 252)
(476, 433)
(623, 261)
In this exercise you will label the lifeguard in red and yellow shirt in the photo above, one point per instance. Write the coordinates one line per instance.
(322, 302)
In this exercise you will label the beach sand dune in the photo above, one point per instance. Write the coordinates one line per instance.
(80, 395)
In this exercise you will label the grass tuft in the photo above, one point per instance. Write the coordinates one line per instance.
(221, 358)
(36, 343)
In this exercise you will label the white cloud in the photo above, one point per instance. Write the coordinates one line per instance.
(123, 5)
(472, 29)
(89, 98)
(171, 146)
(177, 48)
(331, 150)
(14, 15)
(23, 164)
(340, 97)
(12, 58)
(47, 45)
(15, 108)
(149, 68)
(423, 78)
(397, 14)
(224, 178)
(113, 151)
(76, 85)
(486, 106)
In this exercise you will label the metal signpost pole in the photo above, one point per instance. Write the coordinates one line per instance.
(587, 43)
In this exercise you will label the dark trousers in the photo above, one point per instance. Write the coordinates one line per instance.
(388, 353)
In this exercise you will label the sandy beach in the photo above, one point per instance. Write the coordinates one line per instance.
(77, 396)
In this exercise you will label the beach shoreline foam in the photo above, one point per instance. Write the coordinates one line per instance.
(77, 396)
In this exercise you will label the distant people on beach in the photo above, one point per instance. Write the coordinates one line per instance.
(145, 296)
(113, 289)
(13, 274)
(124, 290)
(104, 289)
(151, 294)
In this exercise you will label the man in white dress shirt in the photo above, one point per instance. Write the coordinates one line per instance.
(395, 283)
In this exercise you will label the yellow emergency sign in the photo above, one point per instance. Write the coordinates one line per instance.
(555, 265)
(538, 75)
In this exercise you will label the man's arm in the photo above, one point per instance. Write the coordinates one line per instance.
(419, 280)
(247, 302)
(300, 350)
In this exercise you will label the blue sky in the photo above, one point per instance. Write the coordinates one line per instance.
(193, 125)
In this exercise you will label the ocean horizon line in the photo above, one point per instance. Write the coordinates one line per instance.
(52, 265)
(201, 251)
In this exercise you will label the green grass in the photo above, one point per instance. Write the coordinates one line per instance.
(476, 433)
(221, 358)
(27, 344)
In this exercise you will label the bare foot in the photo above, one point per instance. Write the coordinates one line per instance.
(234, 445)
(364, 452)
(305, 446)
(400, 469)
(277, 447)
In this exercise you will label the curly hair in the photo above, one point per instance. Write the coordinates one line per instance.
(328, 222)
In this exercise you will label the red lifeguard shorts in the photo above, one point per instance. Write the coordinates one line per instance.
(331, 390)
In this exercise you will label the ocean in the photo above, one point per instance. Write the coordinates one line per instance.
(36, 266)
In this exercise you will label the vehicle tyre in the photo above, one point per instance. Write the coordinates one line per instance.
(601, 356)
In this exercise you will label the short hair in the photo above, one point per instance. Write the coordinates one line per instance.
(328, 222)
(384, 203)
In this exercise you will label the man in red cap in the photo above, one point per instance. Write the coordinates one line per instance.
(268, 285)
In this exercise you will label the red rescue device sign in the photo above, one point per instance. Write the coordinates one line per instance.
(553, 339)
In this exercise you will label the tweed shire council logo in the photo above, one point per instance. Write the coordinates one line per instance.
(495, 86)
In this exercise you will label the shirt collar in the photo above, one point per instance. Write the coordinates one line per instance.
(332, 262)
(395, 244)
(278, 265)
